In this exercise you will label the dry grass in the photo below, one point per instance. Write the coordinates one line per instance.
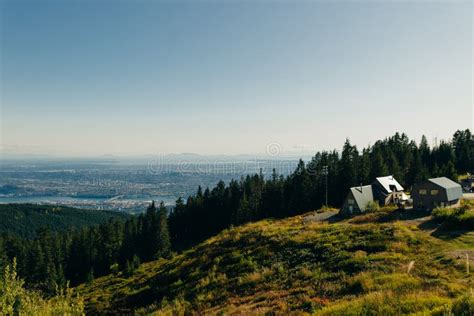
(287, 266)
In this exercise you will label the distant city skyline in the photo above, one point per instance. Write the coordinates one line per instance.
(91, 78)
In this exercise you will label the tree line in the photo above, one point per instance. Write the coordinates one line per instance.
(253, 197)
(79, 255)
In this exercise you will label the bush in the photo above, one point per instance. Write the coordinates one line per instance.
(461, 217)
(16, 300)
(372, 206)
(114, 268)
(442, 214)
(464, 305)
(130, 267)
(135, 262)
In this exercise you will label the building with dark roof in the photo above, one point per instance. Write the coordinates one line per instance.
(436, 192)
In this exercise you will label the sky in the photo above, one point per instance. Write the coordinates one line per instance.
(85, 78)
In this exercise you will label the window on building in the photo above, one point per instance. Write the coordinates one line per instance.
(350, 201)
(434, 192)
(422, 192)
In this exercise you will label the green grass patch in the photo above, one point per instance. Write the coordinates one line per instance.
(289, 266)
(456, 218)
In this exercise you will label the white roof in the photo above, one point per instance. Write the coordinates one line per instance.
(362, 195)
(387, 182)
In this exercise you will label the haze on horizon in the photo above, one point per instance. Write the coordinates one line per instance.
(85, 78)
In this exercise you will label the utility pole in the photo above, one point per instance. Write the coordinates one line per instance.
(325, 172)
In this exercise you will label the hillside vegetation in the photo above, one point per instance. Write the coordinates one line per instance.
(365, 265)
(24, 220)
(15, 299)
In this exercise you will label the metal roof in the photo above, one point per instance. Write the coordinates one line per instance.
(362, 195)
(453, 189)
(388, 181)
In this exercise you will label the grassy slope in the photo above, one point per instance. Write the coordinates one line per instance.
(25, 219)
(290, 265)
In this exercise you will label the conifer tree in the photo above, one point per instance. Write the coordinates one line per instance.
(379, 167)
(463, 143)
(164, 244)
(3, 255)
(424, 150)
(242, 214)
(449, 171)
(394, 167)
(364, 167)
(150, 236)
(135, 262)
(348, 175)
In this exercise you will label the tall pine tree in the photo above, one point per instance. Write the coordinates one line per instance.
(164, 244)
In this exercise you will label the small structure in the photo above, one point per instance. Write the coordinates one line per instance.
(357, 200)
(384, 191)
(436, 192)
(388, 191)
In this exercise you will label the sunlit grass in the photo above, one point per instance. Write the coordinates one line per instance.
(291, 266)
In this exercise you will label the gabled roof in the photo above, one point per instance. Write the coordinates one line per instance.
(453, 189)
(444, 182)
(362, 195)
(386, 182)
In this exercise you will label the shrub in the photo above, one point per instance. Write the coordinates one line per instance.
(130, 267)
(114, 268)
(464, 305)
(441, 214)
(135, 262)
(16, 300)
(462, 217)
(372, 206)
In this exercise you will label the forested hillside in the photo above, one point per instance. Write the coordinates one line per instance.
(25, 220)
(52, 258)
(254, 197)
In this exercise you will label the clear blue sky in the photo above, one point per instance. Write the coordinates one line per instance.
(147, 77)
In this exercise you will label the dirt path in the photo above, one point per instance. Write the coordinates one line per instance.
(468, 196)
(320, 217)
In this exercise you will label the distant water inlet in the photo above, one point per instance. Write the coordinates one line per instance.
(119, 203)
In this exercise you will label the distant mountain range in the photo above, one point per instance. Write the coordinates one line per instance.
(176, 158)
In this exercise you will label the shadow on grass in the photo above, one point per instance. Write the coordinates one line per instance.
(404, 215)
(335, 218)
(447, 232)
(429, 225)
